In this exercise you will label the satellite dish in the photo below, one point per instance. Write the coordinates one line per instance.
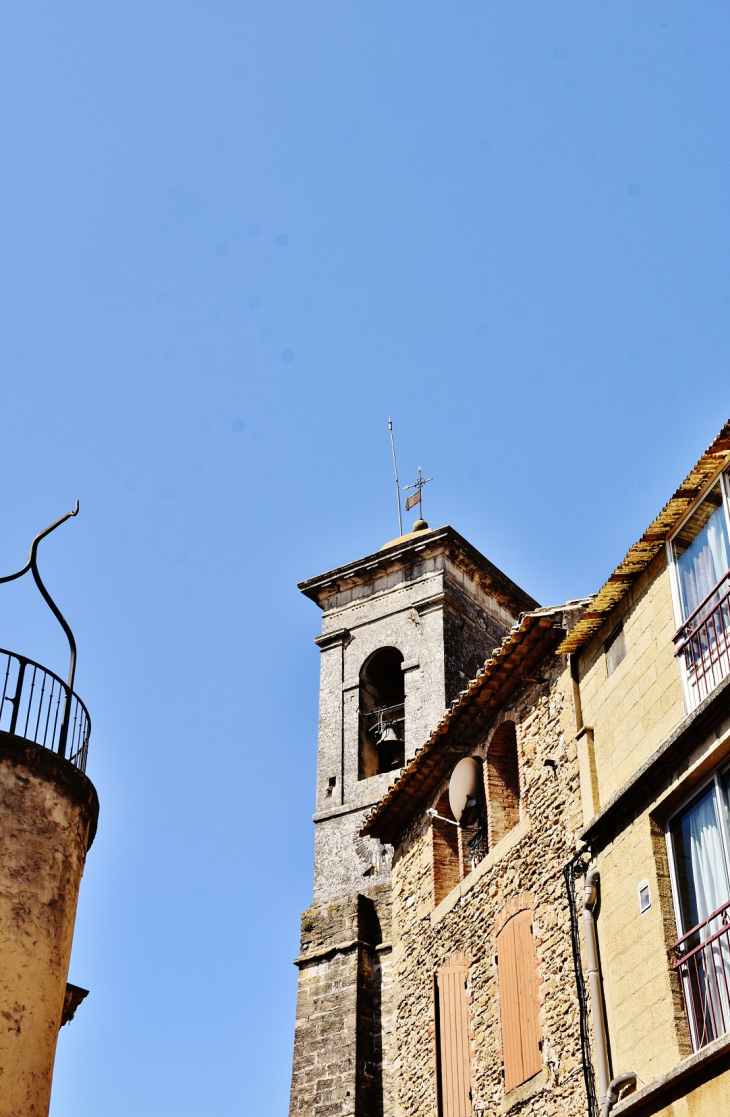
(465, 791)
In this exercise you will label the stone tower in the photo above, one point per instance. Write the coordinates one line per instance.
(402, 631)
(48, 816)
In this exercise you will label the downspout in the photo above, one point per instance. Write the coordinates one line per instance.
(574, 868)
(596, 993)
(614, 1089)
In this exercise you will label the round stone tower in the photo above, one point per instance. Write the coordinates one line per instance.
(48, 813)
(48, 816)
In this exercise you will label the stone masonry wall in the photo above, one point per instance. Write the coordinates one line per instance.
(343, 1032)
(529, 859)
(444, 624)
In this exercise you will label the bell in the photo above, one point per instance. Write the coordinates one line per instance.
(389, 737)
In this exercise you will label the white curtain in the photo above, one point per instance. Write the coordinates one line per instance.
(705, 561)
(706, 868)
(707, 880)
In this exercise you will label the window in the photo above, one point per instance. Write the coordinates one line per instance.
(699, 848)
(452, 1037)
(615, 649)
(518, 1000)
(700, 553)
(503, 782)
(382, 713)
(447, 868)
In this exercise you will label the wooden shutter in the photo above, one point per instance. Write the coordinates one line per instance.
(518, 1000)
(454, 1062)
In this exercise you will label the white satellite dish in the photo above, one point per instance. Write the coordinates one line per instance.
(465, 791)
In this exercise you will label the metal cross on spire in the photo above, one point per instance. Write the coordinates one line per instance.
(411, 501)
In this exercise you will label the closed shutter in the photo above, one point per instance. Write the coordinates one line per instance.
(518, 1000)
(453, 1038)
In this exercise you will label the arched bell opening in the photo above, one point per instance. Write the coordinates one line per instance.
(382, 713)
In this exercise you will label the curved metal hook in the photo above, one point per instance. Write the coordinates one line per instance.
(32, 564)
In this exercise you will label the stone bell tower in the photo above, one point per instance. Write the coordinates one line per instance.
(402, 631)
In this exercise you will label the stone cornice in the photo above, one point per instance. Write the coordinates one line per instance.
(444, 540)
(333, 639)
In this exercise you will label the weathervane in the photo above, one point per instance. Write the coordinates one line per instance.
(415, 499)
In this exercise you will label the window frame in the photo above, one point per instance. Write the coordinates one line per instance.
(616, 634)
(714, 779)
(723, 475)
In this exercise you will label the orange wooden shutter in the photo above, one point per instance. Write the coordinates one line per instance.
(453, 1038)
(518, 1000)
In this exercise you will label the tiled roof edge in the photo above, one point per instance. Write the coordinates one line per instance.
(641, 554)
(513, 637)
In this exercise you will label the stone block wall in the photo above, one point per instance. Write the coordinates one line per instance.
(529, 859)
(343, 1031)
(637, 706)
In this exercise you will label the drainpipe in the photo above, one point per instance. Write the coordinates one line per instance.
(614, 1089)
(596, 993)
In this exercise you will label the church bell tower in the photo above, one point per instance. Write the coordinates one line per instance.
(402, 631)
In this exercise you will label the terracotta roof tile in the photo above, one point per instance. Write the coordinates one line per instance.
(527, 642)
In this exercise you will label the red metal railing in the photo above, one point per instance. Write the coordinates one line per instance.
(702, 958)
(704, 641)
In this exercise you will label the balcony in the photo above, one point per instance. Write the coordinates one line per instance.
(702, 959)
(704, 643)
(39, 707)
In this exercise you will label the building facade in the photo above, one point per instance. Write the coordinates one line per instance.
(402, 631)
(558, 926)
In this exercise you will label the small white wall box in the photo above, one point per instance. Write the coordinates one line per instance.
(644, 895)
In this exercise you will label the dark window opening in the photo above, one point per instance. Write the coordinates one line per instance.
(382, 713)
(503, 782)
(615, 649)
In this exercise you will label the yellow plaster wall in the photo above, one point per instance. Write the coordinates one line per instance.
(706, 1099)
(637, 706)
(645, 1017)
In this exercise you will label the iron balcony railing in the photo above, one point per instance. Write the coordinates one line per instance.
(478, 845)
(704, 642)
(39, 707)
(702, 959)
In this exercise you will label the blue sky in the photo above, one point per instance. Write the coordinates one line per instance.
(235, 237)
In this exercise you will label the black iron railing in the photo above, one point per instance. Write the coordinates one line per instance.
(478, 845)
(702, 958)
(39, 707)
(704, 642)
